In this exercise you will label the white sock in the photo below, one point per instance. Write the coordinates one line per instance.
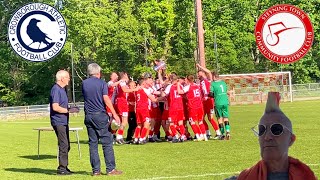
(218, 132)
(208, 132)
(119, 136)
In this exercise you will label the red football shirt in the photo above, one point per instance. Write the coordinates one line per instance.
(205, 88)
(131, 101)
(110, 89)
(193, 94)
(142, 100)
(174, 98)
(120, 93)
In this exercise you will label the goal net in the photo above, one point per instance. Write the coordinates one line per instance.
(253, 88)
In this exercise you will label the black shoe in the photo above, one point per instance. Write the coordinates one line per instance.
(175, 140)
(120, 141)
(63, 172)
(69, 170)
(151, 140)
(208, 136)
(169, 138)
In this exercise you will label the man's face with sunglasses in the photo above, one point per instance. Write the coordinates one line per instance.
(275, 136)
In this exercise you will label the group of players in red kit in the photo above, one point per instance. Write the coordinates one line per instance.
(170, 103)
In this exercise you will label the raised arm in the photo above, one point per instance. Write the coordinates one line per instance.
(179, 88)
(160, 76)
(114, 84)
(207, 71)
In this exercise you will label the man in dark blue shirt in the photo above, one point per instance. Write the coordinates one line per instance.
(96, 100)
(59, 117)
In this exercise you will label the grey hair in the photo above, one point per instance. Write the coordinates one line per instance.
(61, 74)
(94, 69)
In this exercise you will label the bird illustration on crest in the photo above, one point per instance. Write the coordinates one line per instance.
(35, 34)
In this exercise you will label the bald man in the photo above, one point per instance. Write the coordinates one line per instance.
(275, 137)
(59, 117)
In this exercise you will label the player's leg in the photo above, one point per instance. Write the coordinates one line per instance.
(195, 129)
(151, 130)
(172, 125)
(124, 122)
(146, 126)
(136, 135)
(204, 118)
(180, 118)
(218, 112)
(157, 127)
(225, 115)
(193, 117)
(132, 125)
(210, 114)
(137, 131)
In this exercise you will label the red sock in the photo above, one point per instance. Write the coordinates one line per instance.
(137, 132)
(177, 128)
(167, 133)
(182, 130)
(120, 131)
(150, 132)
(195, 128)
(214, 124)
(202, 128)
(173, 130)
(205, 124)
(144, 132)
(188, 134)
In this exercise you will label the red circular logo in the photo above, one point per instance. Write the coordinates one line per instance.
(284, 33)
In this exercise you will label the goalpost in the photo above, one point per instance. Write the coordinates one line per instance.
(253, 88)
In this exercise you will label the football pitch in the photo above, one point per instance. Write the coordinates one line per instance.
(189, 160)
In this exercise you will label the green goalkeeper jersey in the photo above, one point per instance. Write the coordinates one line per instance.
(219, 89)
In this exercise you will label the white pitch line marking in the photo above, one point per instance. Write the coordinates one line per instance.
(190, 176)
(200, 175)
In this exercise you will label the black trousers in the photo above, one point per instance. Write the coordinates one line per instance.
(62, 133)
(132, 125)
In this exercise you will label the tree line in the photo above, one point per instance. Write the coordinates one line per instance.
(127, 35)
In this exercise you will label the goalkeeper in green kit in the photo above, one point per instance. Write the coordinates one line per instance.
(219, 91)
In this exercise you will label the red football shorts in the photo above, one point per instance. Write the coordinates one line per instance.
(165, 115)
(176, 115)
(142, 116)
(122, 107)
(155, 114)
(208, 106)
(196, 114)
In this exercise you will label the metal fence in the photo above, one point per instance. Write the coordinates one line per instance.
(299, 92)
(28, 112)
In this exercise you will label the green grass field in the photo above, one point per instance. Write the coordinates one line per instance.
(189, 160)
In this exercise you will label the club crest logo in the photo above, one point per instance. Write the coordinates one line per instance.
(284, 33)
(37, 32)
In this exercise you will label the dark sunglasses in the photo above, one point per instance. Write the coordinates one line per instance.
(276, 129)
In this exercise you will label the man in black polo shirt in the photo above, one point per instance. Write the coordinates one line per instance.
(95, 93)
(59, 117)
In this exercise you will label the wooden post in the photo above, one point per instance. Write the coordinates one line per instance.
(200, 33)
